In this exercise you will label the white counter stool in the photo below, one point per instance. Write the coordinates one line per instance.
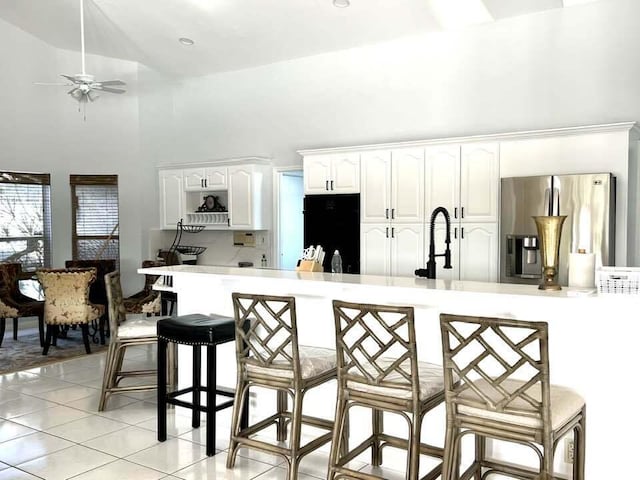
(504, 393)
(378, 369)
(269, 356)
(127, 330)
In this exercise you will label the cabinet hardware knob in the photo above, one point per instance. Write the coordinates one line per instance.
(462, 212)
(331, 185)
(393, 213)
(393, 232)
(387, 232)
(326, 185)
(386, 213)
(455, 212)
(462, 232)
(455, 233)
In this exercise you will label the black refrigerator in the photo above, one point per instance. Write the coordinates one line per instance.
(333, 221)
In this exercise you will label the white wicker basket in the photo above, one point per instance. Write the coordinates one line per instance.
(618, 280)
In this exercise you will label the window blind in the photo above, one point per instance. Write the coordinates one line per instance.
(95, 217)
(25, 219)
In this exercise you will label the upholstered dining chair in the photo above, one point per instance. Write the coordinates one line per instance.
(127, 330)
(378, 369)
(66, 302)
(15, 305)
(497, 386)
(97, 291)
(268, 356)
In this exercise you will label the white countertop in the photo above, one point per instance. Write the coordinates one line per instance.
(376, 281)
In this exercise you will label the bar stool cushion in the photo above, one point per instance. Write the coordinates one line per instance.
(197, 329)
(314, 361)
(565, 403)
(429, 374)
(138, 325)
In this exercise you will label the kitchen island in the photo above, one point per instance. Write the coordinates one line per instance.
(592, 338)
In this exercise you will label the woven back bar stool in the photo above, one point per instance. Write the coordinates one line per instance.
(497, 386)
(378, 369)
(127, 330)
(197, 331)
(269, 356)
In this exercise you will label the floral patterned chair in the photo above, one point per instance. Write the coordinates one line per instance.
(66, 302)
(15, 305)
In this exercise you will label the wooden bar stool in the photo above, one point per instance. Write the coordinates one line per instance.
(197, 331)
(378, 369)
(497, 386)
(269, 356)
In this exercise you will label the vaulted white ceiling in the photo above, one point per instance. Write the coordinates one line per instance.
(237, 34)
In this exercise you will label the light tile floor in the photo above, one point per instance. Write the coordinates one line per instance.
(50, 428)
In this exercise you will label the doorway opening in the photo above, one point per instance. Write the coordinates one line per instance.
(289, 219)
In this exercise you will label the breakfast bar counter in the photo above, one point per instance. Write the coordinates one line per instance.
(593, 338)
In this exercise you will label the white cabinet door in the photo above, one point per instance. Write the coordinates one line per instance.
(407, 185)
(215, 178)
(375, 240)
(194, 179)
(345, 173)
(331, 173)
(442, 178)
(240, 197)
(479, 182)
(171, 198)
(479, 252)
(407, 249)
(375, 168)
(317, 172)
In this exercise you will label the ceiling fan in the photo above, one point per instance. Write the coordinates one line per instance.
(85, 87)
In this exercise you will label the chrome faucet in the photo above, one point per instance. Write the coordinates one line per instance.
(430, 271)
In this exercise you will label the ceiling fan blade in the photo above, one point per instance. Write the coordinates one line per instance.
(108, 89)
(69, 77)
(53, 83)
(111, 82)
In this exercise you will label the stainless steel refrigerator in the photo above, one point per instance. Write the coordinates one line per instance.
(588, 201)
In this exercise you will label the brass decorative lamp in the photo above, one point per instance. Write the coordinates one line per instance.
(549, 230)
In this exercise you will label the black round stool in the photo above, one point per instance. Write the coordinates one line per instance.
(196, 330)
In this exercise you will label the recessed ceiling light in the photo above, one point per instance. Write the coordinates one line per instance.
(186, 41)
(341, 3)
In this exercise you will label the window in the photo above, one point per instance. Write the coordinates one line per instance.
(25, 219)
(94, 208)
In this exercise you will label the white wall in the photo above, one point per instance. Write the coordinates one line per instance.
(42, 131)
(564, 67)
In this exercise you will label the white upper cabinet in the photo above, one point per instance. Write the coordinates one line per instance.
(171, 198)
(479, 182)
(222, 197)
(375, 197)
(465, 180)
(331, 173)
(392, 186)
(442, 179)
(205, 178)
(249, 204)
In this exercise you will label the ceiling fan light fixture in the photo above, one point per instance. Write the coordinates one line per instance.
(341, 3)
(186, 41)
